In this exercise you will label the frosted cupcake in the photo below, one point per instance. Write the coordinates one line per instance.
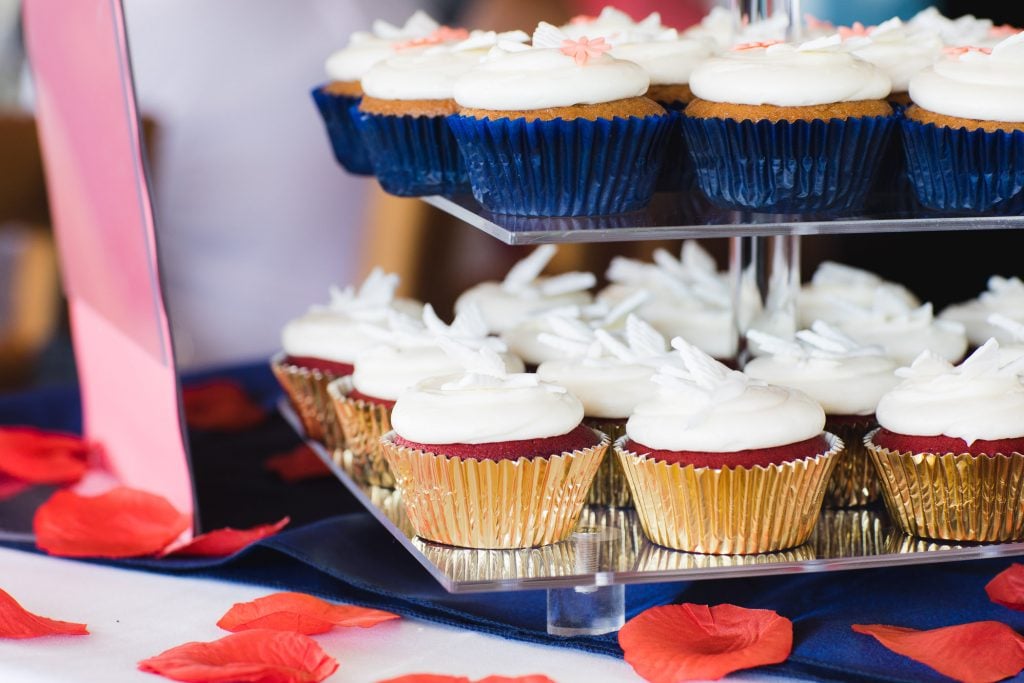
(847, 379)
(343, 91)
(612, 24)
(321, 346)
(404, 353)
(488, 459)
(1013, 330)
(964, 30)
(603, 140)
(898, 49)
(964, 134)
(778, 127)
(950, 451)
(835, 284)
(903, 332)
(405, 102)
(524, 293)
(706, 458)
(610, 374)
(1004, 296)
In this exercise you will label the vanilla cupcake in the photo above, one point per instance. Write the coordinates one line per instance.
(524, 293)
(1004, 296)
(336, 98)
(950, 451)
(902, 331)
(847, 379)
(489, 459)
(834, 285)
(603, 139)
(707, 456)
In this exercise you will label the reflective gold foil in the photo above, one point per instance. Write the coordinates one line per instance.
(363, 424)
(854, 482)
(729, 511)
(850, 533)
(523, 503)
(953, 497)
(307, 390)
(654, 558)
(610, 486)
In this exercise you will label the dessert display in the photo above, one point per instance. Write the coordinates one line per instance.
(950, 449)
(345, 68)
(1003, 296)
(847, 379)
(707, 455)
(610, 374)
(491, 459)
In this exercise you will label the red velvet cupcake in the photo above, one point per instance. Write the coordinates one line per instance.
(723, 464)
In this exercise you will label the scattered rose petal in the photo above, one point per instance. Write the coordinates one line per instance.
(122, 522)
(979, 652)
(441, 678)
(39, 457)
(17, 622)
(254, 656)
(1007, 589)
(9, 488)
(691, 642)
(221, 405)
(224, 542)
(296, 465)
(300, 613)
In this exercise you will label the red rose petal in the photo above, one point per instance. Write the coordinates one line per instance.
(122, 522)
(300, 613)
(221, 405)
(298, 464)
(263, 656)
(979, 652)
(40, 457)
(9, 488)
(692, 642)
(17, 622)
(441, 678)
(1007, 589)
(224, 542)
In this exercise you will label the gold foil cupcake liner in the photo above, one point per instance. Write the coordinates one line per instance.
(522, 503)
(307, 391)
(953, 497)
(363, 423)
(850, 533)
(610, 486)
(854, 482)
(655, 558)
(729, 510)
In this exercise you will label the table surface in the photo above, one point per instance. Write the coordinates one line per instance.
(133, 615)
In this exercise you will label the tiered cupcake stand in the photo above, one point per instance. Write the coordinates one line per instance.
(585, 575)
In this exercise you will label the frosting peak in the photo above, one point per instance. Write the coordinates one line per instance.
(1004, 296)
(367, 48)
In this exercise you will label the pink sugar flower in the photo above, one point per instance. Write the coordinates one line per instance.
(442, 34)
(583, 49)
(582, 19)
(1003, 31)
(858, 29)
(964, 49)
(753, 46)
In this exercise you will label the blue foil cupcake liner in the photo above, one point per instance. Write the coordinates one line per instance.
(677, 171)
(413, 156)
(343, 130)
(787, 166)
(955, 169)
(891, 189)
(562, 168)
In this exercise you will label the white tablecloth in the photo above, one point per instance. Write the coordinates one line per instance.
(133, 615)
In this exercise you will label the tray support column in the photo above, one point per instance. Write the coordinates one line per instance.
(586, 610)
(765, 276)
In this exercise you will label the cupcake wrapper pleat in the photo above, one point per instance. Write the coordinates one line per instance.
(954, 169)
(363, 424)
(307, 391)
(677, 170)
(413, 156)
(562, 168)
(610, 486)
(523, 503)
(787, 166)
(953, 497)
(729, 511)
(854, 482)
(343, 131)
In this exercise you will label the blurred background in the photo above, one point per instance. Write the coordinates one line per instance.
(256, 220)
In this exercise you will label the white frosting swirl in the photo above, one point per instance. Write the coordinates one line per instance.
(903, 332)
(835, 284)
(965, 30)
(1004, 296)
(386, 371)
(900, 51)
(705, 406)
(785, 75)
(982, 398)
(615, 26)
(845, 377)
(365, 49)
(668, 59)
(975, 85)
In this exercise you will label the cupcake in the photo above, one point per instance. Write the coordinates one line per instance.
(901, 331)
(1013, 330)
(603, 140)
(1004, 296)
(834, 284)
(950, 450)
(965, 30)
(787, 128)
(724, 464)
(488, 459)
(964, 135)
(403, 353)
(404, 108)
(321, 346)
(524, 293)
(898, 49)
(612, 24)
(610, 374)
(847, 379)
